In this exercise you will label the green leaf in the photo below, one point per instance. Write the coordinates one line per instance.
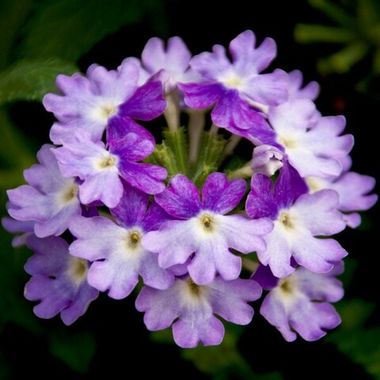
(12, 17)
(224, 362)
(360, 344)
(308, 33)
(31, 79)
(76, 350)
(342, 61)
(69, 28)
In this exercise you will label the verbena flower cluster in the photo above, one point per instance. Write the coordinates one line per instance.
(106, 207)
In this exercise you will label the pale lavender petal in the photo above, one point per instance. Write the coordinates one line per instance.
(243, 234)
(174, 243)
(318, 212)
(209, 332)
(229, 299)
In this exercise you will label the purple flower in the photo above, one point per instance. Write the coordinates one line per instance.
(49, 200)
(314, 144)
(101, 169)
(301, 302)
(115, 249)
(13, 226)
(192, 308)
(299, 220)
(266, 159)
(354, 193)
(89, 102)
(58, 280)
(204, 230)
(170, 65)
(237, 91)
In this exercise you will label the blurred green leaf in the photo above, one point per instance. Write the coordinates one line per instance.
(31, 79)
(225, 361)
(360, 344)
(308, 33)
(69, 28)
(12, 17)
(76, 350)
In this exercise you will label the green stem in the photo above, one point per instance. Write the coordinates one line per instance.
(172, 112)
(196, 126)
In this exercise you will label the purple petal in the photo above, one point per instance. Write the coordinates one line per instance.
(147, 102)
(260, 201)
(129, 140)
(180, 199)
(201, 95)
(131, 209)
(221, 195)
(289, 186)
(143, 176)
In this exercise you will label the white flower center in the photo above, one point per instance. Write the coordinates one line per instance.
(315, 184)
(192, 295)
(288, 142)
(133, 240)
(106, 162)
(77, 270)
(286, 220)
(232, 80)
(104, 111)
(68, 194)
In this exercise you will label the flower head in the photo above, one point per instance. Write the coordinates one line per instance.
(49, 201)
(237, 90)
(299, 220)
(301, 302)
(170, 65)
(115, 249)
(190, 309)
(102, 169)
(202, 228)
(89, 102)
(59, 281)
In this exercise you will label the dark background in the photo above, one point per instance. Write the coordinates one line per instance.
(124, 348)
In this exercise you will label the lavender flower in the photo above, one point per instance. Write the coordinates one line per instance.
(115, 250)
(314, 144)
(296, 90)
(301, 302)
(354, 193)
(299, 220)
(49, 201)
(171, 66)
(237, 91)
(89, 102)
(191, 309)
(203, 228)
(58, 280)
(101, 169)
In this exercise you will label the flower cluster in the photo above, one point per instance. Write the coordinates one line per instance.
(107, 206)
